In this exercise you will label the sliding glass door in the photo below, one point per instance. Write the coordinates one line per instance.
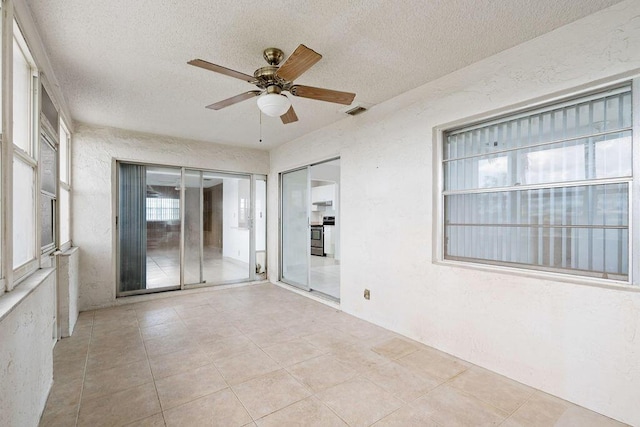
(217, 227)
(310, 228)
(148, 227)
(295, 243)
(207, 217)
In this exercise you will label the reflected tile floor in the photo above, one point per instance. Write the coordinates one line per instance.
(263, 356)
(163, 268)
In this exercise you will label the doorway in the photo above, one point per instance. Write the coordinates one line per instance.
(310, 228)
(180, 228)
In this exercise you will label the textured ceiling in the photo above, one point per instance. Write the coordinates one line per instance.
(124, 63)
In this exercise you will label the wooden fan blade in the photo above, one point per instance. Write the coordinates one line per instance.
(222, 70)
(320, 94)
(289, 116)
(300, 61)
(234, 100)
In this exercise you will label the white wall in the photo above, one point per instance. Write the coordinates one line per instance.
(576, 341)
(26, 359)
(95, 149)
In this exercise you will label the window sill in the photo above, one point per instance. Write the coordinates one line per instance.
(542, 275)
(10, 300)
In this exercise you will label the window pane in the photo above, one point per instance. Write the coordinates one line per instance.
(47, 165)
(23, 213)
(575, 119)
(47, 207)
(22, 99)
(606, 156)
(572, 228)
(64, 209)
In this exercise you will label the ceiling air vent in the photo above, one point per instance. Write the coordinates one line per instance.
(355, 109)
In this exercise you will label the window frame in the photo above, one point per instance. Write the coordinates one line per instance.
(524, 108)
(64, 185)
(22, 271)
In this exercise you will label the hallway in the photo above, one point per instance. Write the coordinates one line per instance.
(262, 355)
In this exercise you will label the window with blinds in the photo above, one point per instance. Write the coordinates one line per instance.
(547, 189)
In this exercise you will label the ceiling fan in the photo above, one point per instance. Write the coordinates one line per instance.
(273, 80)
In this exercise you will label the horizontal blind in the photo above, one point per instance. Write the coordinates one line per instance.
(574, 158)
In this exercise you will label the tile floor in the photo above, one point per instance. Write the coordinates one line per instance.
(325, 276)
(163, 268)
(263, 356)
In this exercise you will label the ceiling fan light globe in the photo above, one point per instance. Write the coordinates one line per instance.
(273, 104)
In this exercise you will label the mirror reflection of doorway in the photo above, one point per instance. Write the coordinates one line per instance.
(310, 228)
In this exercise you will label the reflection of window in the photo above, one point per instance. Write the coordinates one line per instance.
(527, 191)
(163, 209)
(244, 189)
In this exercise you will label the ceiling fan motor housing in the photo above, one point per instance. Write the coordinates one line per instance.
(273, 55)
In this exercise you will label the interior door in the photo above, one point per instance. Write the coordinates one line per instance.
(295, 239)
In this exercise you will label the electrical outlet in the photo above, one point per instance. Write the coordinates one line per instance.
(367, 294)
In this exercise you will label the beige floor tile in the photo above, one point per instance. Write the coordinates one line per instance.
(187, 386)
(245, 366)
(177, 362)
(218, 409)
(200, 312)
(492, 388)
(197, 340)
(395, 348)
(61, 416)
(321, 372)
(167, 330)
(156, 420)
(112, 357)
(159, 346)
(65, 394)
(331, 340)
(114, 325)
(364, 331)
(407, 416)
(359, 358)
(227, 347)
(71, 347)
(434, 363)
(545, 410)
(576, 416)
(267, 338)
(108, 381)
(401, 382)
(450, 407)
(359, 402)
(309, 412)
(69, 371)
(161, 316)
(269, 393)
(292, 352)
(120, 408)
(541, 409)
(117, 337)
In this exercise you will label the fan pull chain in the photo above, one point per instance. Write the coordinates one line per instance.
(260, 113)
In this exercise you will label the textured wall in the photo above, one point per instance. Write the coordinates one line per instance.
(68, 269)
(576, 341)
(26, 359)
(94, 151)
